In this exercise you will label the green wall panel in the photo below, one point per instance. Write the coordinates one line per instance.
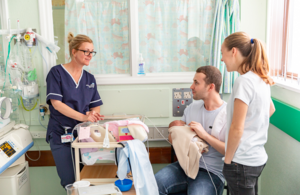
(286, 118)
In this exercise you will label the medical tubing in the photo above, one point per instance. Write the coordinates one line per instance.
(42, 55)
(38, 157)
(8, 52)
(36, 146)
(210, 176)
(32, 54)
(26, 108)
(158, 130)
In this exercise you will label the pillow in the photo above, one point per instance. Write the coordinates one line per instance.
(98, 134)
(138, 132)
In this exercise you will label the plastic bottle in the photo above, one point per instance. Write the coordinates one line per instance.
(141, 68)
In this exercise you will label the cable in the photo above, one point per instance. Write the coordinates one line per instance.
(158, 130)
(36, 146)
(38, 157)
(209, 175)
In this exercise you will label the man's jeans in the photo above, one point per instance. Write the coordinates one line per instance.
(173, 180)
(242, 179)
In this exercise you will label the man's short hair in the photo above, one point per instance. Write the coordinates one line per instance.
(213, 75)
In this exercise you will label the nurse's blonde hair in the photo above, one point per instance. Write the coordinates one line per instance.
(256, 59)
(75, 42)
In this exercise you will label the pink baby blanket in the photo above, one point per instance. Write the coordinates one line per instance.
(114, 125)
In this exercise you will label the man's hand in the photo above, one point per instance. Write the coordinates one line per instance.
(197, 127)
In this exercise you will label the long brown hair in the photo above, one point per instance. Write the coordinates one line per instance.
(255, 55)
(75, 42)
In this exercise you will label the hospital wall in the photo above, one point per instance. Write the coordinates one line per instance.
(282, 170)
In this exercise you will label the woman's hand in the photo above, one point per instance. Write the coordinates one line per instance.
(227, 161)
(197, 127)
(93, 116)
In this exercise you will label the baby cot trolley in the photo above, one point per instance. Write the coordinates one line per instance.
(78, 145)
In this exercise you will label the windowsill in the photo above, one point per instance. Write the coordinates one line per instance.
(288, 84)
(149, 78)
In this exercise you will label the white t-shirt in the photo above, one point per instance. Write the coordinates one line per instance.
(253, 91)
(197, 112)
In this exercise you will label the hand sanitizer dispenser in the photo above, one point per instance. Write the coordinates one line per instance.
(141, 68)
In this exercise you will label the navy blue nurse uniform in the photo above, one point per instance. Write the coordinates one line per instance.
(79, 96)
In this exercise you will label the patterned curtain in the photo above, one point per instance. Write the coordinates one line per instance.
(106, 23)
(226, 22)
(175, 35)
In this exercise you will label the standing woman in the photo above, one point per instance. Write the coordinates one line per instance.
(73, 98)
(248, 111)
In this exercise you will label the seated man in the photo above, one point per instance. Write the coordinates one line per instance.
(200, 116)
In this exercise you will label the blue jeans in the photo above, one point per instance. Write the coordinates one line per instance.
(173, 180)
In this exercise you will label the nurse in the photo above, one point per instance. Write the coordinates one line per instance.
(73, 98)
(248, 111)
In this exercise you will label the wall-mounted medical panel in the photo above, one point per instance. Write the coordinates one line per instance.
(182, 98)
(148, 102)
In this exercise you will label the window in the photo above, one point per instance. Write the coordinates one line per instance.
(106, 23)
(173, 36)
(284, 42)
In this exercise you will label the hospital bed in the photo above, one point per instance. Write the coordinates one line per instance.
(88, 170)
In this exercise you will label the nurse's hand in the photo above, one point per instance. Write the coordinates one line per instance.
(97, 116)
(199, 130)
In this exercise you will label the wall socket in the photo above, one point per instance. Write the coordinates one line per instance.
(187, 95)
(177, 95)
(38, 134)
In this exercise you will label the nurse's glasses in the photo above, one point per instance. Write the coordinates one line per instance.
(87, 53)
